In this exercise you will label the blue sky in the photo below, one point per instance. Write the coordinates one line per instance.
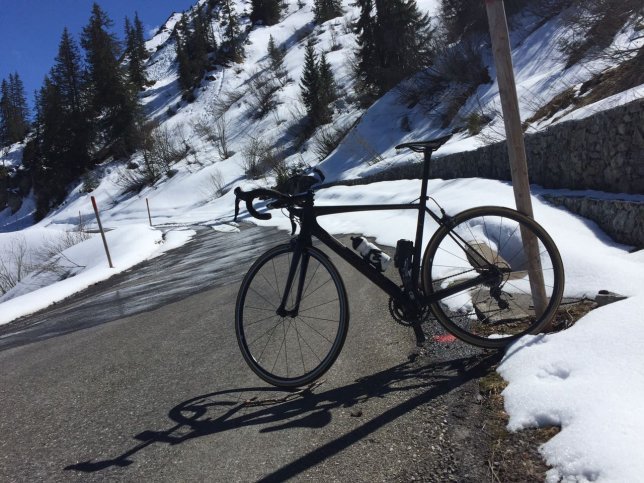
(30, 30)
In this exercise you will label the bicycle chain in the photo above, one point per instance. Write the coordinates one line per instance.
(453, 275)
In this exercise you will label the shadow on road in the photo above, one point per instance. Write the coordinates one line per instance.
(274, 410)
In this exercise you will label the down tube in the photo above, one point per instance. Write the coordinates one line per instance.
(358, 263)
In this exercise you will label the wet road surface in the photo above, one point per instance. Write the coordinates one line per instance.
(210, 259)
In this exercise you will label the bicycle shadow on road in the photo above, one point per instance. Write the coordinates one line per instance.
(231, 409)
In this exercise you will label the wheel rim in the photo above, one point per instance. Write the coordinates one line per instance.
(291, 350)
(503, 308)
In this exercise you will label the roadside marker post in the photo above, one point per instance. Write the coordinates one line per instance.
(147, 203)
(100, 227)
(516, 147)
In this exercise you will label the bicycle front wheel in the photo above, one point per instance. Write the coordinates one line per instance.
(295, 349)
(520, 270)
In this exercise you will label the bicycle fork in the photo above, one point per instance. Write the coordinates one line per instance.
(301, 259)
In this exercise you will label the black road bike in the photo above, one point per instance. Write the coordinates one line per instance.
(489, 275)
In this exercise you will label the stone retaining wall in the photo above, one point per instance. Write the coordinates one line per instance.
(603, 152)
(623, 221)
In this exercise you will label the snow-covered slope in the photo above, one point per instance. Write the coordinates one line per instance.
(193, 195)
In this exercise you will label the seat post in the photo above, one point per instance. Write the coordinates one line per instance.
(427, 154)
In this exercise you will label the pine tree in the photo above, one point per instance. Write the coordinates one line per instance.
(50, 172)
(366, 63)
(232, 47)
(139, 35)
(67, 73)
(310, 81)
(135, 55)
(180, 34)
(64, 133)
(403, 40)
(14, 112)
(102, 51)
(202, 34)
(317, 86)
(195, 41)
(5, 113)
(392, 44)
(114, 99)
(326, 10)
(327, 91)
(265, 11)
(276, 61)
(74, 115)
(275, 54)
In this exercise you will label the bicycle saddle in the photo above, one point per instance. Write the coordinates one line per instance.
(422, 146)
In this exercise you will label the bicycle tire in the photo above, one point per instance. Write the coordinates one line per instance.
(494, 314)
(311, 341)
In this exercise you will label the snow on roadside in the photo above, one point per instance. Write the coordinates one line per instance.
(86, 264)
(589, 380)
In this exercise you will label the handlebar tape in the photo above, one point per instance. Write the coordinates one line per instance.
(249, 197)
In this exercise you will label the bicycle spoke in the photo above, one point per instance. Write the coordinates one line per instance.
(260, 296)
(269, 283)
(311, 279)
(270, 329)
(319, 305)
(298, 336)
(269, 339)
(280, 351)
(261, 320)
(320, 318)
(277, 285)
(487, 236)
(260, 308)
(318, 288)
(311, 349)
(315, 330)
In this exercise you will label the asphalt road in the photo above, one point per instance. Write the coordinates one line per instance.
(140, 379)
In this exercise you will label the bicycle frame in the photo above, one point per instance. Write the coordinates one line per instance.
(310, 228)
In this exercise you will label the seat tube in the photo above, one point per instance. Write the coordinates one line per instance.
(420, 225)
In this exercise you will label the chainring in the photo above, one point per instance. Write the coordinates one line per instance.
(400, 317)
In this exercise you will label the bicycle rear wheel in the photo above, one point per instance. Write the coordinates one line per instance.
(524, 276)
(296, 349)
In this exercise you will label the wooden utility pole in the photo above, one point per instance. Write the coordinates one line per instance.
(515, 143)
(509, 104)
